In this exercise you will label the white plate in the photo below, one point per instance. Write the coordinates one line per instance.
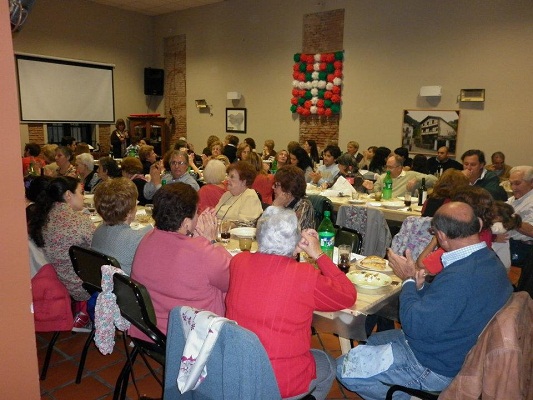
(369, 280)
(357, 201)
(386, 270)
(96, 218)
(393, 205)
(243, 232)
(374, 204)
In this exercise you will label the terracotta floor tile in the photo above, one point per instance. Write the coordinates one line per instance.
(88, 389)
(147, 386)
(59, 374)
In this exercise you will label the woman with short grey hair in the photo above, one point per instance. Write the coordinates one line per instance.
(274, 296)
(214, 188)
(86, 173)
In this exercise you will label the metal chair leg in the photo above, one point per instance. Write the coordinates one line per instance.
(84, 355)
(121, 386)
(48, 355)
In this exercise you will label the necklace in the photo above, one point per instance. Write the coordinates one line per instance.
(232, 204)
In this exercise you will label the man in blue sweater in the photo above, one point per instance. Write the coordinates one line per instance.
(441, 321)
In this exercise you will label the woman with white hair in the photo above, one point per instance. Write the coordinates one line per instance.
(212, 191)
(274, 296)
(85, 167)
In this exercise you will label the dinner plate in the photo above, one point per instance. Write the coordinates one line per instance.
(96, 218)
(357, 201)
(393, 205)
(386, 269)
(374, 204)
(243, 231)
(369, 280)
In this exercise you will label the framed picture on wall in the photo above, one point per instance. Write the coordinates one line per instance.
(236, 120)
(424, 131)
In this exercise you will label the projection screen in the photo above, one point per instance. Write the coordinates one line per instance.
(59, 90)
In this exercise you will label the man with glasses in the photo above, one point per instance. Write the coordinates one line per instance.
(402, 181)
(179, 172)
(441, 320)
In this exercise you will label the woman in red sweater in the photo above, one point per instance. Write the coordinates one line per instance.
(274, 296)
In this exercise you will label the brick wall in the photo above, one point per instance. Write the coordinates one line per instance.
(104, 134)
(322, 32)
(175, 86)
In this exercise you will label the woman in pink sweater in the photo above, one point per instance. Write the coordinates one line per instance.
(274, 296)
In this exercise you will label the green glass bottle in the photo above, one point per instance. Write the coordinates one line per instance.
(326, 235)
(387, 187)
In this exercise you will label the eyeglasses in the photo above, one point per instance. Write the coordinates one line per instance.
(174, 163)
(276, 185)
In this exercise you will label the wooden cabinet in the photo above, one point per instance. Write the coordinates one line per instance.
(153, 129)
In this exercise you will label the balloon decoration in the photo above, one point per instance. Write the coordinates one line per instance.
(317, 83)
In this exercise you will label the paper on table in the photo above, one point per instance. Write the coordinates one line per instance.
(342, 185)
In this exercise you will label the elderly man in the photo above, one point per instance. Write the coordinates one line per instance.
(441, 321)
(179, 172)
(499, 167)
(441, 162)
(521, 239)
(474, 170)
(402, 181)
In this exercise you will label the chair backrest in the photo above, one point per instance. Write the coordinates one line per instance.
(238, 367)
(87, 264)
(350, 237)
(320, 204)
(414, 235)
(136, 306)
(500, 365)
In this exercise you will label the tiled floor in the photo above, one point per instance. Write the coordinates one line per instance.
(101, 371)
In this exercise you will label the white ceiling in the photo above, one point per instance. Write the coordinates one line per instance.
(155, 7)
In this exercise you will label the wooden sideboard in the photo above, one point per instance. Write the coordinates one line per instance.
(152, 128)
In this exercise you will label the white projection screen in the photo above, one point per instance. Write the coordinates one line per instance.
(57, 90)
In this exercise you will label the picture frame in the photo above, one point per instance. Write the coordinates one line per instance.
(236, 120)
(472, 95)
(424, 131)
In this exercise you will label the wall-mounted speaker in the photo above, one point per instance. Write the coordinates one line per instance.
(154, 81)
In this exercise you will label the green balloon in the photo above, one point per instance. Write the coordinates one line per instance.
(297, 57)
(308, 77)
(303, 67)
(339, 55)
(308, 95)
(335, 108)
(301, 101)
(293, 108)
(322, 75)
(330, 68)
(321, 93)
(328, 103)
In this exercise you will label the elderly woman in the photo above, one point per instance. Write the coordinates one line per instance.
(212, 191)
(263, 180)
(274, 296)
(179, 261)
(289, 191)
(64, 167)
(85, 168)
(55, 225)
(116, 202)
(147, 156)
(240, 203)
(132, 169)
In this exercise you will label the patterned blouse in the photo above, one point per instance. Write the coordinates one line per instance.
(71, 171)
(65, 228)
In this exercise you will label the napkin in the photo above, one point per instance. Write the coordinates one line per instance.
(342, 185)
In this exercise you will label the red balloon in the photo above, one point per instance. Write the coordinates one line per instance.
(301, 76)
(337, 73)
(336, 98)
(320, 110)
(328, 112)
(334, 89)
(308, 104)
(294, 100)
(296, 67)
(330, 77)
(328, 94)
(323, 66)
(337, 64)
(296, 75)
(320, 103)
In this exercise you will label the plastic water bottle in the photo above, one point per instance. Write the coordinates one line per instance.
(326, 235)
(387, 187)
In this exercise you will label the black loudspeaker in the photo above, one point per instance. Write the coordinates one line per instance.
(154, 81)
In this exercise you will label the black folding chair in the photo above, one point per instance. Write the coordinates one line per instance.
(136, 306)
(350, 237)
(87, 264)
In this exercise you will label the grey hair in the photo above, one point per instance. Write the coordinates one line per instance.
(86, 159)
(214, 172)
(278, 231)
(526, 170)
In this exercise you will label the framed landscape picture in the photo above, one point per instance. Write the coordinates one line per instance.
(424, 131)
(236, 120)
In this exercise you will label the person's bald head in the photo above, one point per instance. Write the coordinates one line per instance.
(456, 220)
(442, 153)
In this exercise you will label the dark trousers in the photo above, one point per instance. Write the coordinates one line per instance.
(520, 252)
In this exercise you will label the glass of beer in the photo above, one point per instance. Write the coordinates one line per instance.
(344, 257)
(245, 243)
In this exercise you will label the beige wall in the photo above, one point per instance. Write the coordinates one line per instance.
(392, 49)
(18, 368)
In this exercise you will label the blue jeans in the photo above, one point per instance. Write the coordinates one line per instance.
(405, 371)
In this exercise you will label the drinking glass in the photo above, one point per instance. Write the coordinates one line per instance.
(149, 209)
(377, 196)
(355, 195)
(407, 200)
(245, 243)
(344, 257)
(225, 226)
